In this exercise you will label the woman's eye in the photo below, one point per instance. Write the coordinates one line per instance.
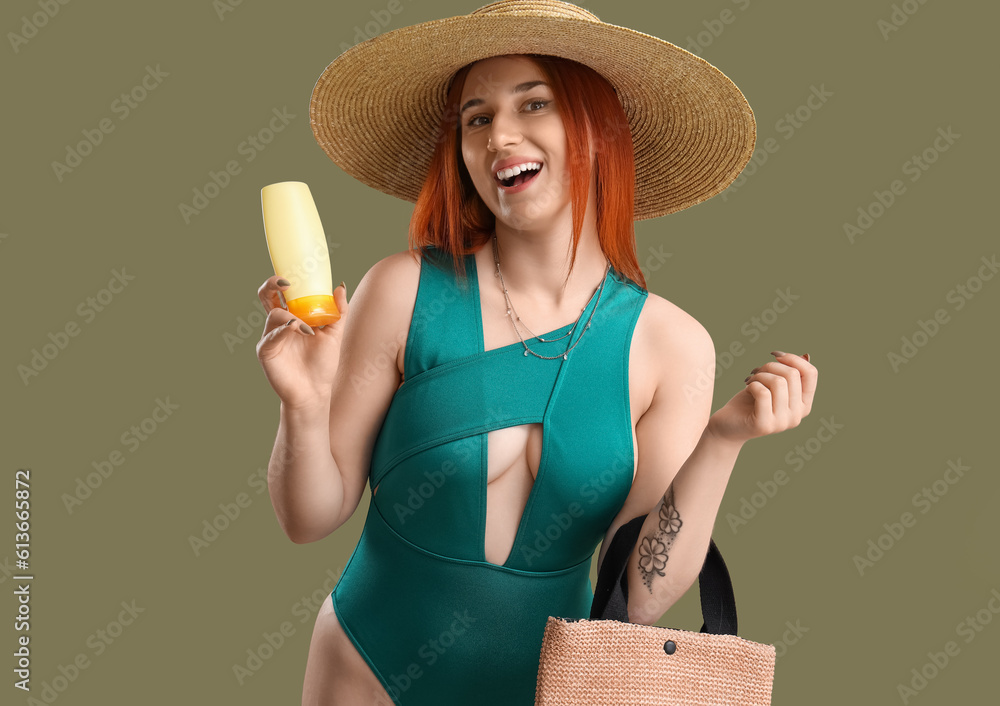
(530, 106)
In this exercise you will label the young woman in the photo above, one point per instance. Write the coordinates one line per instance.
(499, 458)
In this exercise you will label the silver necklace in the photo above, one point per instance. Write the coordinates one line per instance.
(510, 310)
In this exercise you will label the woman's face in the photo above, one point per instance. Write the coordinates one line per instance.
(509, 119)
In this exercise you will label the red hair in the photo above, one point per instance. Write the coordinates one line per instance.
(450, 215)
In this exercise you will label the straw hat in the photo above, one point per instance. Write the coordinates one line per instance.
(376, 109)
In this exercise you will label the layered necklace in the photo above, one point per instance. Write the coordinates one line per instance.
(510, 311)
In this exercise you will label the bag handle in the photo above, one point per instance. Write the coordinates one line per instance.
(718, 602)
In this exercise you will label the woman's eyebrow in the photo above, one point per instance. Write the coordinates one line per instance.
(519, 88)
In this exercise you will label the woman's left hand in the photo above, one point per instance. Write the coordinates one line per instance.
(777, 396)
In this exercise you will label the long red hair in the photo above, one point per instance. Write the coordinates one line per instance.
(450, 215)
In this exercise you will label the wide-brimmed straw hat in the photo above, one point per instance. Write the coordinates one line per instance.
(377, 108)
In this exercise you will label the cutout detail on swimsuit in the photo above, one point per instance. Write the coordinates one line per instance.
(514, 459)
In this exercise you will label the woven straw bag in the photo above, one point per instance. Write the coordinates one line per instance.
(608, 661)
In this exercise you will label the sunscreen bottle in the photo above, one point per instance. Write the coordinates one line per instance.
(297, 245)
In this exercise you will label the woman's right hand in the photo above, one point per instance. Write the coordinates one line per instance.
(300, 366)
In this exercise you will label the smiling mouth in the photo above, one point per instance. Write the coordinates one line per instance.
(518, 179)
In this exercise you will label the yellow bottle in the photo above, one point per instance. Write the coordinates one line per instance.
(297, 245)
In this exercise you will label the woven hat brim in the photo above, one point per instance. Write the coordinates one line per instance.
(376, 109)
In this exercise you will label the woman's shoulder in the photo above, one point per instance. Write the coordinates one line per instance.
(671, 335)
(406, 263)
(389, 287)
(397, 272)
(669, 318)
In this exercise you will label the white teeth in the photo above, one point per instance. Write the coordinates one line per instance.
(515, 170)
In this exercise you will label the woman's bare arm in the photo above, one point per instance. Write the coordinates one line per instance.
(673, 541)
(322, 453)
(681, 477)
(674, 537)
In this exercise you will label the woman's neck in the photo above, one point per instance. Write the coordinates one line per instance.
(536, 265)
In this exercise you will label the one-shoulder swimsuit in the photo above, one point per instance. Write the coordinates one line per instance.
(437, 623)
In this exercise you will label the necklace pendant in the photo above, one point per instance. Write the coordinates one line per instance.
(565, 355)
(526, 351)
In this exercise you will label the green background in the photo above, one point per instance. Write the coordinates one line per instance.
(165, 336)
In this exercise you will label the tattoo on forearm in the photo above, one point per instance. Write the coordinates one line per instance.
(653, 550)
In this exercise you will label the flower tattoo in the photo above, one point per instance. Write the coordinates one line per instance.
(670, 520)
(652, 555)
(653, 550)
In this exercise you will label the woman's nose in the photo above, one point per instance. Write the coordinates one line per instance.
(504, 131)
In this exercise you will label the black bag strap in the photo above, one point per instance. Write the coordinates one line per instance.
(718, 602)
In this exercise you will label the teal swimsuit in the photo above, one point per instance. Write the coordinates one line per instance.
(437, 623)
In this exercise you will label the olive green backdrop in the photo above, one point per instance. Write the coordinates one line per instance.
(131, 317)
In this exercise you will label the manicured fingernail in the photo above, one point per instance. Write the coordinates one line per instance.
(746, 379)
(778, 353)
(344, 286)
(305, 329)
(282, 282)
(806, 356)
